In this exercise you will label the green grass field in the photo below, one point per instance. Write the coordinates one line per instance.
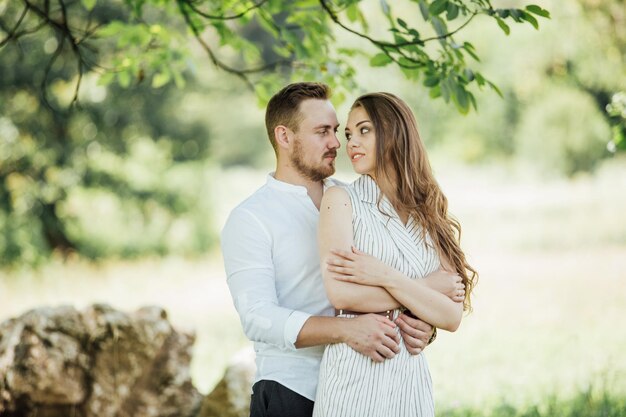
(548, 320)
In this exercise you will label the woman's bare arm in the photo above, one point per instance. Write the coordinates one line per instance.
(335, 232)
(429, 305)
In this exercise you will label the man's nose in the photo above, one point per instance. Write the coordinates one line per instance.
(335, 144)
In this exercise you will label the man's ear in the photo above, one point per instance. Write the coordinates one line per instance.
(282, 135)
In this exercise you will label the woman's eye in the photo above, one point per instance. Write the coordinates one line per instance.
(364, 130)
(348, 136)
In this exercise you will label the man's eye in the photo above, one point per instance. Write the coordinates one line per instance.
(323, 132)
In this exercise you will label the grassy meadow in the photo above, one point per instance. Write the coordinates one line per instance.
(548, 320)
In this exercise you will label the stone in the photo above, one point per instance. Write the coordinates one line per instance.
(98, 362)
(231, 396)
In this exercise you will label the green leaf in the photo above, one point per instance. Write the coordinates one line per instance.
(479, 79)
(351, 52)
(438, 6)
(469, 48)
(461, 99)
(112, 29)
(503, 13)
(495, 88)
(266, 24)
(407, 63)
(439, 26)
(503, 26)
(533, 8)
(619, 138)
(282, 51)
(399, 37)
(123, 77)
(89, 4)
(411, 73)
(424, 10)
(380, 60)
(435, 92)
(445, 91)
(178, 79)
(530, 19)
(353, 12)
(402, 23)
(106, 78)
(160, 79)
(473, 100)
(431, 81)
(452, 11)
(516, 14)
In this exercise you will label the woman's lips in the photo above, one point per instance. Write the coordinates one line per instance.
(356, 156)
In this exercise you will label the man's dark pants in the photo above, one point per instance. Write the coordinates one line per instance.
(271, 399)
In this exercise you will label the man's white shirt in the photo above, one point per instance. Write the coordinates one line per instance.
(269, 244)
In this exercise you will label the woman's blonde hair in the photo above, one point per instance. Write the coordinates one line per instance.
(405, 177)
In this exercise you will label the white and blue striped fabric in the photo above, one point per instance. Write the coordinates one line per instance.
(351, 384)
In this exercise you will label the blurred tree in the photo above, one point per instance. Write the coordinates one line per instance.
(127, 148)
(605, 82)
(573, 75)
(617, 111)
(556, 139)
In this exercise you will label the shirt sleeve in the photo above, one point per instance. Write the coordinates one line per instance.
(247, 250)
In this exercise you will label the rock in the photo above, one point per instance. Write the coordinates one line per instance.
(99, 362)
(231, 396)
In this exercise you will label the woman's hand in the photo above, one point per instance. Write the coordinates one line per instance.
(448, 283)
(359, 267)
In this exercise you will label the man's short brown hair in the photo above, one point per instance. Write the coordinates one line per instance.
(284, 107)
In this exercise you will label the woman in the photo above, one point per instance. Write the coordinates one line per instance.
(377, 237)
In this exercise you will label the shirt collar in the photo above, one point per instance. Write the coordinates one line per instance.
(367, 189)
(292, 188)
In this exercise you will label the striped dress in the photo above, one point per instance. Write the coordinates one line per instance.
(351, 384)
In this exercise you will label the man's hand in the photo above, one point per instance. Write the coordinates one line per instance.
(374, 336)
(415, 333)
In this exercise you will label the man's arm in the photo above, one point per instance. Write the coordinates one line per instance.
(370, 334)
(247, 251)
(246, 247)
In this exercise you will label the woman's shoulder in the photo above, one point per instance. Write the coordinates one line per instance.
(336, 194)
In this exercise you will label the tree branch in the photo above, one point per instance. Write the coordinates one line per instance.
(13, 32)
(205, 46)
(242, 74)
(216, 17)
(447, 35)
(383, 44)
(44, 82)
(335, 19)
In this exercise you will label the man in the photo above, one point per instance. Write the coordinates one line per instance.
(272, 262)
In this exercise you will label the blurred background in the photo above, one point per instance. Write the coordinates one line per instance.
(122, 203)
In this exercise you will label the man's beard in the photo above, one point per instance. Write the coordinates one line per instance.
(314, 173)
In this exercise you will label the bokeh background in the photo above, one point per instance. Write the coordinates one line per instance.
(131, 214)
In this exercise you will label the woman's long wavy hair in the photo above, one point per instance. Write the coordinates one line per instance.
(405, 177)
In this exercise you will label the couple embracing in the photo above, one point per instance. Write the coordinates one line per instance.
(341, 287)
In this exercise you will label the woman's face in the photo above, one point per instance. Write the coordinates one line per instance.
(361, 142)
